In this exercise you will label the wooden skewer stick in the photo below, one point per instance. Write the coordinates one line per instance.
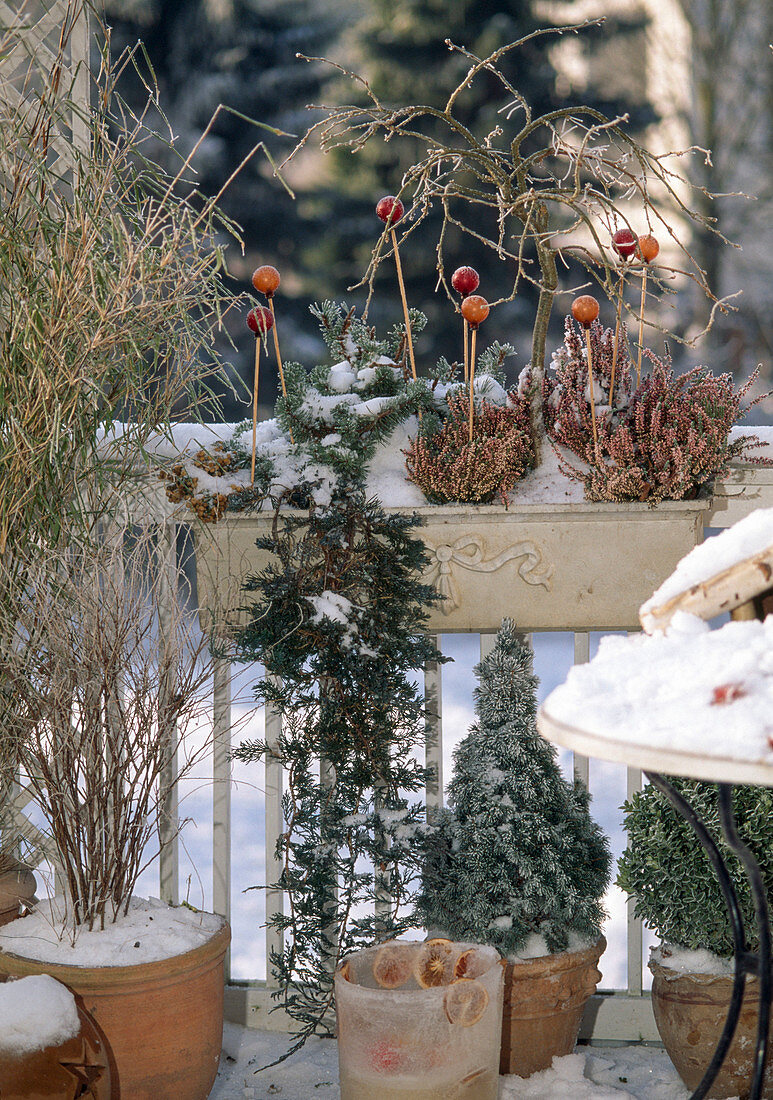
(641, 322)
(408, 333)
(466, 350)
(270, 298)
(590, 382)
(472, 374)
(616, 344)
(648, 249)
(255, 407)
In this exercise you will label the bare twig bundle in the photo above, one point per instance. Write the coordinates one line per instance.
(108, 672)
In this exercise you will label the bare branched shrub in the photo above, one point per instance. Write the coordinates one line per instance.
(553, 188)
(449, 466)
(664, 440)
(107, 672)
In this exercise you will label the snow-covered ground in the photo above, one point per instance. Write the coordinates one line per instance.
(593, 1073)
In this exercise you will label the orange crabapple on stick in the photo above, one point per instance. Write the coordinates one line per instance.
(625, 243)
(266, 280)
(390, 210)
(465, 280)
(475, 309)
(585, 311)
(260, 321)
(647, 248)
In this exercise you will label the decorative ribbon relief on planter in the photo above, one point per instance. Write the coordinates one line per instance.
(469, 552)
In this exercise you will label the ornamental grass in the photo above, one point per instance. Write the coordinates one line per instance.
(448, 466)
(667, 439)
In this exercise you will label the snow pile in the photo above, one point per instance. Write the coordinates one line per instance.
(150, 931)
(536, 947)
(690, 689)
(686, 961)
(35, 1013)
(593, 1073)
(751, 535)
(565, 1078)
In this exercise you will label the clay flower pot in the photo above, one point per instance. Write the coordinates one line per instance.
(544, 1002)
(162, 1021)
(690, 1012)
(78, 1067)
(17, 889)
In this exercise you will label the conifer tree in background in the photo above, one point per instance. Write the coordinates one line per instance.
(400, 48)
(518, 853)
(338, 623)
(240, 53)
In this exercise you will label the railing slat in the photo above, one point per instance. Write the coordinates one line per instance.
(168, 826)
(221, 789)
(581, 764)
(433, 732)
(274, 829)
(634, 938)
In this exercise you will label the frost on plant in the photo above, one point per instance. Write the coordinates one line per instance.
(665, 440)
(449, 466)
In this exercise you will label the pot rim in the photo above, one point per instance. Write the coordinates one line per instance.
(96, 977)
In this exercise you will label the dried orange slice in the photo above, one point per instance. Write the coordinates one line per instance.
(393, 964)
(435, 963)
(465, 1002)
(470, 964)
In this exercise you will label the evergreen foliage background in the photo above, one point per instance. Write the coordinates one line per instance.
(517, 853)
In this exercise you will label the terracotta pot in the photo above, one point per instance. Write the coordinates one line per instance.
(163, 1021)
(17, 888)
(690, 1012)
(544, 1002)
(79, 1067)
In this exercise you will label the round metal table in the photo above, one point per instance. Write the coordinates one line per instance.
(725, 771)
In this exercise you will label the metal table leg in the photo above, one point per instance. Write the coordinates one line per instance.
(746, 962)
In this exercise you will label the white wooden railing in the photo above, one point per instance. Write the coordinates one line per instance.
(615, 1015)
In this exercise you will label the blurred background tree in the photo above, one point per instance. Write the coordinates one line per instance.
(675, 66)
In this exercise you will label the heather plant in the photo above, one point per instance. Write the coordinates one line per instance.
(448, 465)
(667, 871)
(664, 440)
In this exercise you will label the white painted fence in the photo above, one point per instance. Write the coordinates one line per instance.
(621, 1015)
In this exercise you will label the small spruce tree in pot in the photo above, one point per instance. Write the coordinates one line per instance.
(518, 863)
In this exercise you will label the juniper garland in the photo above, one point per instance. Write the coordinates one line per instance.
(338, 622)
(517, 853)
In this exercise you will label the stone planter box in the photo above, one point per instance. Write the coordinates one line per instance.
(549, 567)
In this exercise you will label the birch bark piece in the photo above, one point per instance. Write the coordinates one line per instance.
(726, 590)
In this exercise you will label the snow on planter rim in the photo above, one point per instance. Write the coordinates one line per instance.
(150, 931)
(35, 1013)
(693, 691)
(751, 535)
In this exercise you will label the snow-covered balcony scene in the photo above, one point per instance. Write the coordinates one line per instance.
(386, 550)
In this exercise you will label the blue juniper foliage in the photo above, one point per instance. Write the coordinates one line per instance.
(517, 853)
(338, 621)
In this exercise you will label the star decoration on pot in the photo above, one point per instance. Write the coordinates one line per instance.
(87, 1071)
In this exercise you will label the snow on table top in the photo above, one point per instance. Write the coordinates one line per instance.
(659, 691)
(749, 536)
(35, 1013)
(150, 931)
